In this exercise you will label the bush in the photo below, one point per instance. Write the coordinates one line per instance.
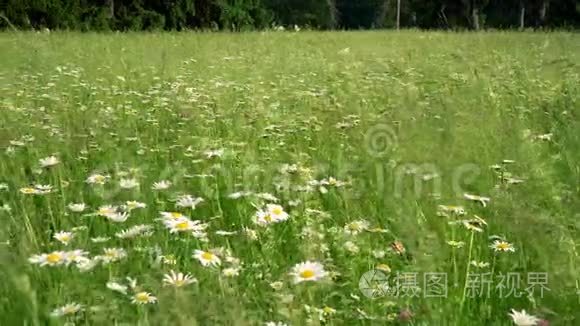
(152, 20)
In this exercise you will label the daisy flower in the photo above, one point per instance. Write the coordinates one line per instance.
(444, 210)
(479, 264)
(328, 311)
(231, 272)
(87, 264)
(351, 247)
(184, 225)
(29, 191)
(207, 258)
(118, 217)
(334, 182)
(240, 194)
(276, 285)
(66, 310)
(77, 208)
(54, 258)
(131, 205)
(379, 253)
(143, 297)
(263, 218)
(76, 256)
(161, 185)
(100, 239)
(128, 183)
(522, 318)
(482, 200)
(383, 267)
(48, 161)
(474, 224)
(289, 169)
(169, 259)
(43, 189)
(544, 137)
(63, 237)
(188, 201)
(500, 245)
(277, 212)
(225, 233)
(107, 210)
(111, 255)
(356, 227)
(178, 279)
(250, 233)
(272, 214)
(267, 196)
(294, 203)
(214, 153)
(135, 231)
(456, 244)
(98, 179)
(117, 287)
(172, 215)
(308, 271)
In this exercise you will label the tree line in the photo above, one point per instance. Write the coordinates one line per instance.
(238, 15)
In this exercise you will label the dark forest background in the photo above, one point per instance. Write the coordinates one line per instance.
(237, 15)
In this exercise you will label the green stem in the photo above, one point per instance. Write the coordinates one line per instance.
(467, 271)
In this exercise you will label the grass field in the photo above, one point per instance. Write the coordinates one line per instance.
(446, 163)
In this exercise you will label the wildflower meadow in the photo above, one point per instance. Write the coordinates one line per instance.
(290, 178)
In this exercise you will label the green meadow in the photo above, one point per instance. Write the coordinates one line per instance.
(293, 178)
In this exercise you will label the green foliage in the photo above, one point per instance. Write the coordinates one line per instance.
(152, 20)
(259, 14)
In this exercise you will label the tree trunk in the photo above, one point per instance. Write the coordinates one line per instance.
(332, 11)
(111, 8)
(398, 14)
(475, 17)
(543, 12)
(522, 15)
(443, 16)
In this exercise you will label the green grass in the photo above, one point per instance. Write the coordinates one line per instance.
(439, 104)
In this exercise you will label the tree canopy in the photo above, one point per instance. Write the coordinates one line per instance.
(238, 15)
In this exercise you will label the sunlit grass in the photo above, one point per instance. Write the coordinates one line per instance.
(273, 170)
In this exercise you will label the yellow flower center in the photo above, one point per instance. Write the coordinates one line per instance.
(207, 256)
(503, 246)
(53, 257)
(307, 273)
(99, 178)
(354, 226)
(179, 283)
(182, 225)
(277, 211)
(268, 218)
(142, 297)
(384, 267)
(65, 237)
(176, 215)
(69, 310)
(28, 190)
(328, 310)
